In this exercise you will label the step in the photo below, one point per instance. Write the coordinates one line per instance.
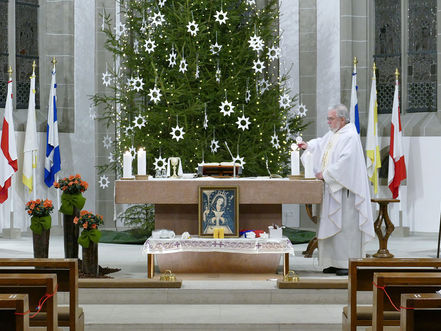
(212, 317)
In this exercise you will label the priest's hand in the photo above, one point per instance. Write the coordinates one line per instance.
(303, 145)
(319, 175)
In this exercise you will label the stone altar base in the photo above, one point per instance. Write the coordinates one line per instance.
(216, 262)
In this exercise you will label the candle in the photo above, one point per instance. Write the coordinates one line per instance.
(142, 159)
(127, 165)
(295, 160)
(309, 171)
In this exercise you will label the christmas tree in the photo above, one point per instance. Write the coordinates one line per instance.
(193, 77)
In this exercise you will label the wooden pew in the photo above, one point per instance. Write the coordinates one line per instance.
(67, 277)
(11, 304)
(395, 284)
(35, 286)
(426, 314)
(361, 275)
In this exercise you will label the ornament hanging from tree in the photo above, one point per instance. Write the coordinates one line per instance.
(104, 182)
(139, 121)
(258, 66)
(193, 27)
(149, 45)
(172, 58)
(242, 121)
(221, 17)
(160, 163)
(183, 65)
(301, 110)
(256, 43)
(155, 94)
(273, 53)
(226, 107)
(158, 19)
(177, 132)
(138, 84)
(284, 101)
(205, 118)
(107, 141)
(275, 140)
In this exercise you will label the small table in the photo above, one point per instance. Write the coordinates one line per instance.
(383, 216)
(217, 247)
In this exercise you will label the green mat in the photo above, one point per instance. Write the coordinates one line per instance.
(135, 237)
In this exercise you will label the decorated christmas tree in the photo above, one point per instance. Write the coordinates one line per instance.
(193, 77)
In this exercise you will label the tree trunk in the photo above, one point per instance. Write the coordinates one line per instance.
(90, 260)
(71, 232)
(41, 244)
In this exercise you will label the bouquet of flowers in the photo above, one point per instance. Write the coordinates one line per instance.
(89, 222)
(72, 188)
(40, 211)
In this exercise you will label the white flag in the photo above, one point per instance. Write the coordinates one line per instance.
(30, 146)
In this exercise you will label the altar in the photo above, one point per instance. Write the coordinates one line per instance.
(176, 208)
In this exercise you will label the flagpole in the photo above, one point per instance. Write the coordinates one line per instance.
(34, 154)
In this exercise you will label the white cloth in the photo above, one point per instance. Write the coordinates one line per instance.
(335, 251)
(343, 166)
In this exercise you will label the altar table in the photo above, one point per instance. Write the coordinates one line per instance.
(173, 254)
(260, 199)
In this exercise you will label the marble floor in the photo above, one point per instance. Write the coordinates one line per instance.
(132, 262)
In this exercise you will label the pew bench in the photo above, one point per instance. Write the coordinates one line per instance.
(361, 275)
(71, 316)
(35, 286)
(426, 314)
(397, 283)
(11, 304)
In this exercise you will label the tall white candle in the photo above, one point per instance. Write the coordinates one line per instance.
(295, 160)
(309, 171)
(127, 165)
(141, 161)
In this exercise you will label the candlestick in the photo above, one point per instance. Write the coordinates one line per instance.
(127, 165)
(295, 160)
(142, 161)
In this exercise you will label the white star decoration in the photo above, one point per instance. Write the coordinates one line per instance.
(107, 141)
(226, 108)
(120, 29)
(258, 66)
(104, 182)
(247, 96)
(158, 19)
(264, 85)
(221, 17)
(139, 121)
(129, 130)
(110, 157)
(239, 160)
(149, 45)
(214, 145)
(179, 130)
(256, 43)
(193, 28)
(251, 2)
(183, 66)
(160, 163)
(155, 94)
(215, 48)
(172, 58)
(284, 101)
(106, 78)
(273, 53)
(161, 3)
(275, 141)
(301, 110)
(92, 112)
(132, 151)
(244, 126)
(138, 84)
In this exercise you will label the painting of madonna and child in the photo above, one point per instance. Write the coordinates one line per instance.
(219, 208)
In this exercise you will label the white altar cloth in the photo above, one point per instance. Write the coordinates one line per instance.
(227, 245)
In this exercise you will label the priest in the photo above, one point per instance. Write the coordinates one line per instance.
(346, 222)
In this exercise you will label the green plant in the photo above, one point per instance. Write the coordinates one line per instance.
(140, 217)
(40, 211)
(89, 222)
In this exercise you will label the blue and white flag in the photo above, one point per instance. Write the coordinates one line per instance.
(353, 110)
(52, 163)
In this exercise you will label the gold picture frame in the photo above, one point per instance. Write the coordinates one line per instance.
(218, 208)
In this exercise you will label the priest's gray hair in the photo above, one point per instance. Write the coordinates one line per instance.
(341, 111)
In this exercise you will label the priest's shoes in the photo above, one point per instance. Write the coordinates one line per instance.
(330, 270)
(341, 272)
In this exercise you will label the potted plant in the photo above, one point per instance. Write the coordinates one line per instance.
(89, 238)
(40, 211)
(72, 201)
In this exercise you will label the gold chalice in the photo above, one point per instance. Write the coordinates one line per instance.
(174, 161)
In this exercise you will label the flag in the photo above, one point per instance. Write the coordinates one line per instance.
(8, 152)
(30, 146)
(373, 160)
(397, 166)
(52, 162)
(353, 110)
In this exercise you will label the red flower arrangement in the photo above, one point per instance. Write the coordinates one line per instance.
(72, 184)
(89, 222)
(39, 207)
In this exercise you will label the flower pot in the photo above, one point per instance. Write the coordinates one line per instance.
(41, 244)
(90, 260)
(71, 232)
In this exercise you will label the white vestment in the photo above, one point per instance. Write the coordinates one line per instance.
(346, 221)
